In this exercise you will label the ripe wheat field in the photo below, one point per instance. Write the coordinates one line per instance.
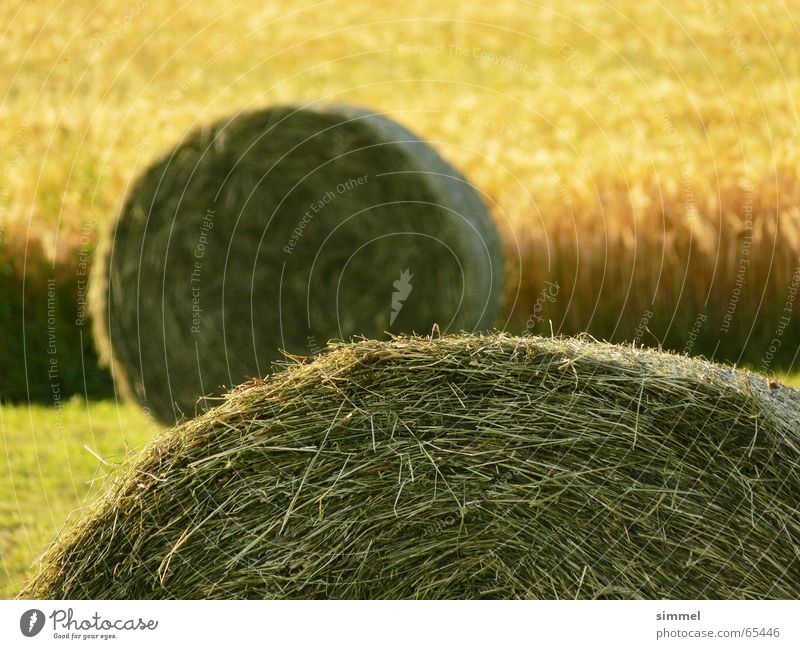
(639, 158)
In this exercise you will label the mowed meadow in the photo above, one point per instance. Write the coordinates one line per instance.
(54, 462)
(640, 160)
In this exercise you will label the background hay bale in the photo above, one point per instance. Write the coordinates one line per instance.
(466, 466)
(282, 229)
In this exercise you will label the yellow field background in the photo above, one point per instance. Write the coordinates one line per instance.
(638, 155)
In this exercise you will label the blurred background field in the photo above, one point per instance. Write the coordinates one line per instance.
(641, 157)
(641, 161)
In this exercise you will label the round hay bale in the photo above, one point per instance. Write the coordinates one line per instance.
(279, 230)
(460, 467)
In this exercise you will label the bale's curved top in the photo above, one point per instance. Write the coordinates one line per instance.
(460, 467)
(279, 230)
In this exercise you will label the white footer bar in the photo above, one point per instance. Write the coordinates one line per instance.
(378, 625)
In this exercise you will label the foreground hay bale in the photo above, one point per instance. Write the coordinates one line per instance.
(469, 466)
(282, 229)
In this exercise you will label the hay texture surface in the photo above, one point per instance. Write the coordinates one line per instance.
(460, 467)
(280, 230)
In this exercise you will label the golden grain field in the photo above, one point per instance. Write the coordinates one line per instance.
(641, 159)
